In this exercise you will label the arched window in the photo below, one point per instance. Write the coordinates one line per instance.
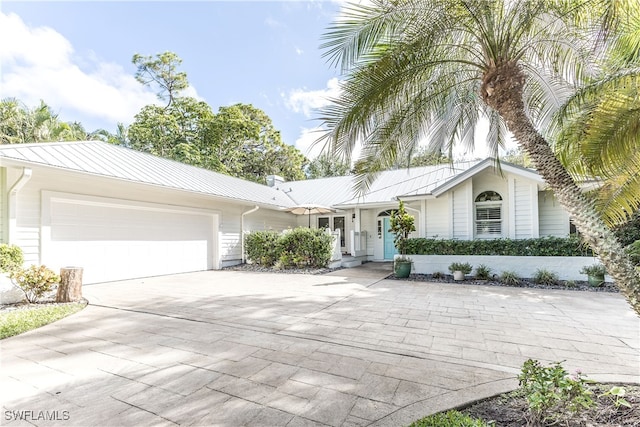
(489, 214)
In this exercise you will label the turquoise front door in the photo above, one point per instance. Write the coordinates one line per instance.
(387, 237)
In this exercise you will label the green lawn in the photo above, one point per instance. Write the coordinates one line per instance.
(15, 322)
(449, 419)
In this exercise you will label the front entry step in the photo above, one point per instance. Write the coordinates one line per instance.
(351, 263)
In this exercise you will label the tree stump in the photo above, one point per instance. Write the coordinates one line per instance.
(70, 287)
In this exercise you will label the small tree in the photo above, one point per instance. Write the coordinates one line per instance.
(402, 224)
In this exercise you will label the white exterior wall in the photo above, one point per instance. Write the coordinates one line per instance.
(4, 214)
(26, 232)
(522, 218)
(368, 223)
(438, 217)
(462, 211)
(553, 219)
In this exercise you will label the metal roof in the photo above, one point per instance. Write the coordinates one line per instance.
(112, 161)
(339, 191)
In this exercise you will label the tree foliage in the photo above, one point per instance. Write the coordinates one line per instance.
(20, 124)
(248, 145)
(239, 140)
(162, 72)
(326, 165)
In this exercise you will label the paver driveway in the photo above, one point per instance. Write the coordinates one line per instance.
(224, 348)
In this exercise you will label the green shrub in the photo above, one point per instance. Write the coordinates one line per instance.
(545, 277)
(544, 246)
(510, 278)
(464, 267)
(634, 252)
(551, 392)
(593, 270)
(35, 281)
(11, 258)
(305, 247)
(449, 419)
(438, 275)
(483, 272)
(261, 247)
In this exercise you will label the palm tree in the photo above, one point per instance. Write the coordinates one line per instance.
(599, 126)
(433, 68)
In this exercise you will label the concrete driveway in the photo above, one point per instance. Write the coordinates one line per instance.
(224, 348)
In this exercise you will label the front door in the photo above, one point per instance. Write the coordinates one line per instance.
(389, 247)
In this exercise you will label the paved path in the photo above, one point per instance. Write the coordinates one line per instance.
(224, 348)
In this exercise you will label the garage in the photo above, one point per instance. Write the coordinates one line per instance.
(117, 239)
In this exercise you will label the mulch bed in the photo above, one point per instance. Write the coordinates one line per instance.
(524, 283)
(510, 410)
(263, 269)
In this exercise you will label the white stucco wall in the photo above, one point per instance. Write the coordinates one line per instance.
(567, 268)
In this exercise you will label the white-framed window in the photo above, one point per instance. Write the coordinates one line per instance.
(488, 214)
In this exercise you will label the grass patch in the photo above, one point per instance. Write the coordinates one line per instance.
(15, 322)
(449, 419)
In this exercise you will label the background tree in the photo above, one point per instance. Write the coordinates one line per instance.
(162, 72)
(413, 65)
(518, 157)
(423, 156)
(248, 145)
(240, 140)
(20, 124)
(172, 131)
(326, 165)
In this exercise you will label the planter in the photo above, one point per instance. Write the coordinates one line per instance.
(458, 275)
(595, 279)
(403, 269)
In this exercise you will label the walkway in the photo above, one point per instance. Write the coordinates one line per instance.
(225, 348)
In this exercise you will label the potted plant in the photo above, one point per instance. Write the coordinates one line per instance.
(460, 270)
(402, 224)
(595, 274)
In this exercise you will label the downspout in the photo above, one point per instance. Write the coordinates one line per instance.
(244, 258)
(13, 192)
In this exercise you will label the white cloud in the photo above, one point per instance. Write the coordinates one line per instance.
(306, 101)
(40, 63)
(305, 142)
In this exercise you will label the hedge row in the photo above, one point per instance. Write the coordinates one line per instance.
(544, 246)
(300, 247)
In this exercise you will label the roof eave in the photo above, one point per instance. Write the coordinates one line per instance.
(6, 161)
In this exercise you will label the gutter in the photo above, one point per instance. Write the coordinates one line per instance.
(244, 257)
(24, 178)
(11, 200)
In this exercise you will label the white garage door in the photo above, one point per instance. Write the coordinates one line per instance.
(122, 240)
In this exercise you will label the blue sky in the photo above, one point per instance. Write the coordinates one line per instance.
(76, 56)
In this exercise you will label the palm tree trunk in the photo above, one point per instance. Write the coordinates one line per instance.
(502, 90)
